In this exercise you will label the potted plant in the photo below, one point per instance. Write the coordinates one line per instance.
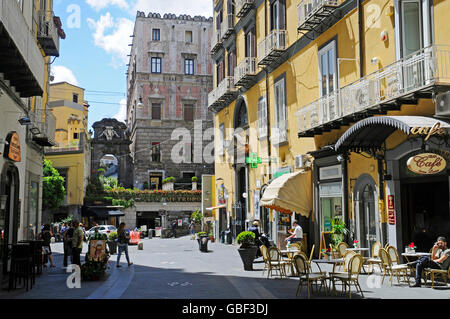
(168, 183)
(194, 183)
(202, 239)
(248, 249)
(112, 242)
(211, 237)
(339, 230)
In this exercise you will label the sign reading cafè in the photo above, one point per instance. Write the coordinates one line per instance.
(12, 147)
(426, 163)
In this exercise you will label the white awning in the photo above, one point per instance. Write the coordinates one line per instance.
(290, 193)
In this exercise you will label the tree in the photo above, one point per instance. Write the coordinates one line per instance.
(53, 187)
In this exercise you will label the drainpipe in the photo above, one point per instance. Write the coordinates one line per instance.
(360, 35)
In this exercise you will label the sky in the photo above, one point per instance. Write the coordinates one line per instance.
(94, 54)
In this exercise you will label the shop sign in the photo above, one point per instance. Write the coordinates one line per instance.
(12, 147)
(391, 210)
(426, 163)
(436, 129)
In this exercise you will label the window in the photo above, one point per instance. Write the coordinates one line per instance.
(262, 117)
(156, 152)
(231, 60)
(220, 71)
(156, 65)
(278, 15)
(76, 136)
(250, 43)
(189, 112)
(188, 36)
(156, 35)
(328, 81)
(411, 27)
(156, 111)
(75, 98)
(330, 204)
(280, 110)
(189, 66)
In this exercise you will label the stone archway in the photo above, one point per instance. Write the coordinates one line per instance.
(111, 137)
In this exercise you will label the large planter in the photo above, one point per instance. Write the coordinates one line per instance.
(203, 243)
(112, 245)
(248, 255)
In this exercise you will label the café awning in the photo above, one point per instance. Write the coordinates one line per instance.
(370, 133)
(290, 193)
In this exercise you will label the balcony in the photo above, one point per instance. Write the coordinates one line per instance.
(272, 47)
(66, 147)
(402, 82)
(243, 7)
(227, 26)
(222, 95)
(244, 73)
(21, 62)
(216, 42)
(45, 121)
(312, 13)
(48, 33)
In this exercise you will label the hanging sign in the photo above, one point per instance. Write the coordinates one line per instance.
(391, 210)
(12, 147)
(426, 163)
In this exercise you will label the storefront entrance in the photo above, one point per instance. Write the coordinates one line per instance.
(425, 211)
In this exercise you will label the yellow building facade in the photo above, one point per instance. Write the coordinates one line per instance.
(302, 81)
(71, 155)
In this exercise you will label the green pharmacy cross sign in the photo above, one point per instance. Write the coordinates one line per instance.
(253, 160)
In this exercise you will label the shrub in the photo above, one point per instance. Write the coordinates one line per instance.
(201, 233)
(113, 236)
(194, 179)
(246, 239)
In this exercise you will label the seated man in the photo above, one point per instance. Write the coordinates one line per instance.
(439, 259)
(296, 235)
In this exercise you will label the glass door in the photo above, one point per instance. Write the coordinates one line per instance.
(328, 82)
(369, 233)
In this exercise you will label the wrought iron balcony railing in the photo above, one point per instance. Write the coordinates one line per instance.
(402, 81)
(217, 41)
(311, 13)
(245, 71)
(222, 94)
(48, 33)
(243, 7)
(45, 121)
(272, 47)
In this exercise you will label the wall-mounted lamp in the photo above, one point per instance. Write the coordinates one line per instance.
(25, 120)
(3, 200)
(35, 131)
(374, 60)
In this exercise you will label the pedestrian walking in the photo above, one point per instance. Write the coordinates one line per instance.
(30, 232)
(192, 229)
(174, 225)
(67, 238)
(123, 239)
(46, 236)
(77, 243)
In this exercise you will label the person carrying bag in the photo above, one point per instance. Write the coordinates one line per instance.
(123, 240)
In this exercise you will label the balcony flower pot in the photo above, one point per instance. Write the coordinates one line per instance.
(248, 250)
(194, 186)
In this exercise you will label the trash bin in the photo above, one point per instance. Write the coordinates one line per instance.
(228, 239)
(150, 233)
(222, 237)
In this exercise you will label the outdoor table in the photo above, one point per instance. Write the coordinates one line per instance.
(334, 262)
(416, 255)
(290, 254)
(360, 249)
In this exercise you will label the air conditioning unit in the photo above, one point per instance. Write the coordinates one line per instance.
(301, 161)
(443, 104)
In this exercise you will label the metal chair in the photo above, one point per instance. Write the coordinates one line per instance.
(21, 265)
(304, 274)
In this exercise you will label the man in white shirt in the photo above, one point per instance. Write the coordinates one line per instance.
(296, 235)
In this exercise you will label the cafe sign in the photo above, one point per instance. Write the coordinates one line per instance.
(12, 147)
(426, 163)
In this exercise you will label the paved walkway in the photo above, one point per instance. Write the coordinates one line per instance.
(176, 269)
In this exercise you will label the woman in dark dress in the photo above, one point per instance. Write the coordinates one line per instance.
(46, 236)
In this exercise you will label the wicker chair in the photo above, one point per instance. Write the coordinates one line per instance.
(275, 262)
(433, 273)
(311, 254)
(392, 251)
(351, 276)
(342, 250)
(375, 256)
(265, 255)
(304, 274)
(391, 269)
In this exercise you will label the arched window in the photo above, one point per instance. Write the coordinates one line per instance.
(241, 116)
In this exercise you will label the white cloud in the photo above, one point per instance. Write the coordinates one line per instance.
(115, 43)
(63, 74)
(101, 4)
(192, 8)
(122, 113)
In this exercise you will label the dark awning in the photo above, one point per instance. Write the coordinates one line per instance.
(97, 212)
(369, 134)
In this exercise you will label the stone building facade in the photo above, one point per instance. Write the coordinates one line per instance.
(168, 81)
